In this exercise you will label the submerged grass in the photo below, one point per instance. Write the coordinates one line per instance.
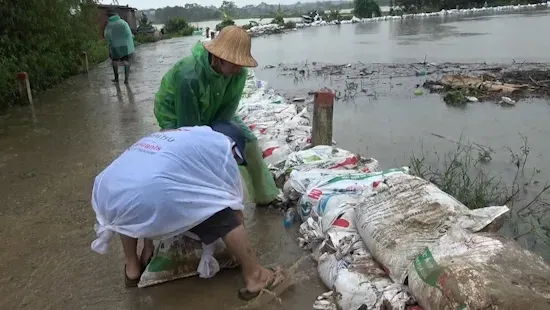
(462, 173)
(459, 173)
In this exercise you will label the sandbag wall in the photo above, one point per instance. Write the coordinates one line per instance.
(382, 239)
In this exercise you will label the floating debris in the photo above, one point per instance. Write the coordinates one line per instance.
(507, 101)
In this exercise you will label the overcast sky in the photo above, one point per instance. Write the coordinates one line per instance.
(148, 4)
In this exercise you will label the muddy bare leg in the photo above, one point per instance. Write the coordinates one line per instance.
(147, 252)
(131, 259)
(255, 276)
(115, 71)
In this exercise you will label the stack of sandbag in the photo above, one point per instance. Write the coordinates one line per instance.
(281, 129)
(344, 263)
(406, 214)
(463, 270)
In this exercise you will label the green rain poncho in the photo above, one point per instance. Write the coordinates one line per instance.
(192, 93)
(120, 38)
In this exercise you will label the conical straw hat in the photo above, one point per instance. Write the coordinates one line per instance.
(232, 45)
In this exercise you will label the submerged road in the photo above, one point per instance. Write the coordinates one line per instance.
(46, 221)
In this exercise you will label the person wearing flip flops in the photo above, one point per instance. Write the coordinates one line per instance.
(206, 87)
(174, 181)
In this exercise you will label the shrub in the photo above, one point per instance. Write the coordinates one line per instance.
(279, 20)
(226, 22)
(290, 25)
(45, 40)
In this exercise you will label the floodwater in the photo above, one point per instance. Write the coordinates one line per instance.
(48, 164)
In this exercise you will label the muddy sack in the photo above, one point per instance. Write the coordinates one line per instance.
(346, 266)
(358, 282)
(315, 200)
(328, 157)
(336, 222)
(299, 181)
(181, 257)
(405, 214)
(463, 270)
(279, 141)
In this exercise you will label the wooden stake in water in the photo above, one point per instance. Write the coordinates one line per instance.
(323, 110)
(84, 61)
(25, 94)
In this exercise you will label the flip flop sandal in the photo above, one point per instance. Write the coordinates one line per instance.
(130, 282)
(144, 267)
(246, 295)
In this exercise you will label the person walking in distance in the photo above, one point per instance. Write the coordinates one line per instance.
(121, 44)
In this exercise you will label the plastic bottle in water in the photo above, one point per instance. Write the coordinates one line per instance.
(290, 216)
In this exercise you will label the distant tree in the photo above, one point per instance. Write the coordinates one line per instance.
(366, 9)
(178, 26)
(278, 16)
(144, 21)
(334, 14)
(229, 8)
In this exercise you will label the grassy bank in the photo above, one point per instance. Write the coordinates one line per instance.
(46, 42)
(463, 174)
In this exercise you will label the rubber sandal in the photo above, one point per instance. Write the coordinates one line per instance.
(246, 295)
(144, 267)
(130, 282)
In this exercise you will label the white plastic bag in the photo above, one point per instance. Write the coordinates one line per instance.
(299, 181)
(406, 214)
(165, 184)
(314, 201)
(328, 157)
(208, 265)
(357, 281)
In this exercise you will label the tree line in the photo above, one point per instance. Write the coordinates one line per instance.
(196, 12)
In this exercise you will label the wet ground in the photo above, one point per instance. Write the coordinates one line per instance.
(48, 163)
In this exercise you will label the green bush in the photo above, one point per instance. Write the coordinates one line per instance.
(145, 38)
(279, 20)
(290, 25)
(45, 39)
(226, 22)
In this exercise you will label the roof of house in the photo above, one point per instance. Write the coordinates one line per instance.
(116, 7)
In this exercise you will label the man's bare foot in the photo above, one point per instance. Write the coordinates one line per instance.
(266, 278)
(146, 254)
(133, 269)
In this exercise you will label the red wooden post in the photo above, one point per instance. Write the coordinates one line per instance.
(25, 94)
(323, 108)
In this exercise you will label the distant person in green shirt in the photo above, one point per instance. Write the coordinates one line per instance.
(206, 87)
(121, 44)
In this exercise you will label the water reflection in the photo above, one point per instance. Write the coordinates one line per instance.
(368, 28)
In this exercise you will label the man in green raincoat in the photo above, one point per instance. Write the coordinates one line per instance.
(206, 87)
(121, 44)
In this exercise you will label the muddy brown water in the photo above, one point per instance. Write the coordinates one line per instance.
(48, 163)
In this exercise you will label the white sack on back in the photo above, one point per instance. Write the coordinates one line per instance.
(166, 184)
(463, 270)
(406, 214)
